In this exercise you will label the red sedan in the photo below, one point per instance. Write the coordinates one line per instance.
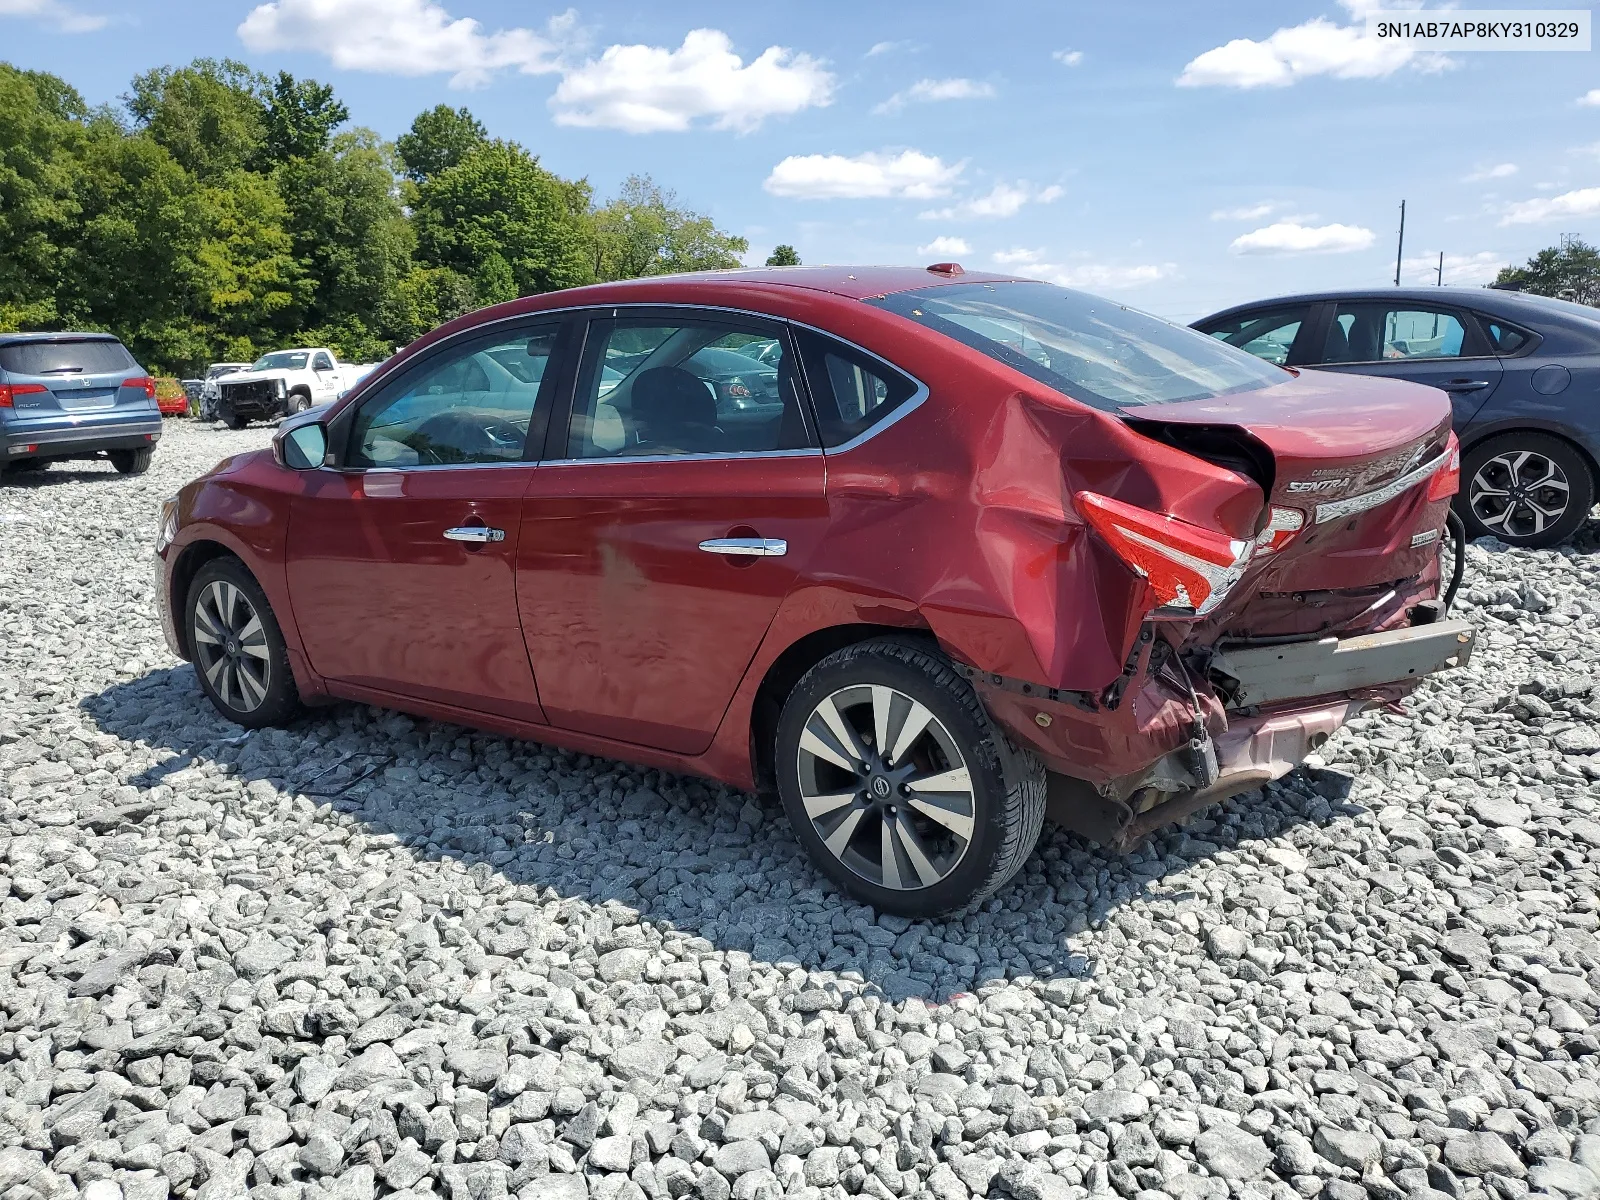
(950, 549)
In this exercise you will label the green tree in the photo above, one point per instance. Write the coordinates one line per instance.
(211, 116)
(41, 138)
(301, 115)
(645, 232)
(247, 269)
(437, 140)
(499, 203)
(783, 255)
(1570, 271)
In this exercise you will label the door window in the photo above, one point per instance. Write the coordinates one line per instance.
(322, 363)
(1506, 339)
(1386, 333)
(664, 386)
(853, 391)
(1268, 335)
(469, 404)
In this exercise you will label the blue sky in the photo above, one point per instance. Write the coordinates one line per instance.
(1179, 156)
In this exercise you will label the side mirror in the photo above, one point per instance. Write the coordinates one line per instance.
(302, 448)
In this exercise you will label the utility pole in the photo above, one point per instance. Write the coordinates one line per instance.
(1401, 245)
(1440, 282)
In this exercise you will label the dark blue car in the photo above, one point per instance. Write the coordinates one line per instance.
(1523, 374)
(74, 396)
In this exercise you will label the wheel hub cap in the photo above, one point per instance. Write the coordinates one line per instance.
(1519, 494)
(886, 787)
(230, 646)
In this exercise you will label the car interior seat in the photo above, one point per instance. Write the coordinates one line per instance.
(674, 412)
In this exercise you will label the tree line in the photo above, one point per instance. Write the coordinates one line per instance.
(217, 213)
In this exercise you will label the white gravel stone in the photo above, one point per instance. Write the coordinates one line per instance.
(372, 955)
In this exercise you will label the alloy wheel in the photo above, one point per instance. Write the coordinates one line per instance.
(231, 646)
(1520, 493)
(886, 787)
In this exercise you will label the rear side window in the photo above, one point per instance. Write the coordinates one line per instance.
(1100, 353)
(85, 356)
(1372, 332)
(853, 391)
(1506, 339)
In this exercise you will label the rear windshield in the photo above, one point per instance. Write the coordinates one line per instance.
(85, 356)
(1101, 353)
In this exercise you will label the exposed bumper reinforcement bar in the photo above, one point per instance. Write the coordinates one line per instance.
(1269, 674)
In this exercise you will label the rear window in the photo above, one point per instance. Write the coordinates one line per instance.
(1104, 354)
(84, 356)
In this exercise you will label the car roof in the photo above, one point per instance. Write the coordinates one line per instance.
(1493, 300)
(58, 336)
(853, 283)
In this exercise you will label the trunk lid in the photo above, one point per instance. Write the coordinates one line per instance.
(1338, 451)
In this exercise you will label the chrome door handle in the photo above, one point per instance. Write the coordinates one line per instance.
(476, 534)
(752, 547)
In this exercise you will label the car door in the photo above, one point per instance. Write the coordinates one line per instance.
(1438, 345)
(325, 378)
(675, 508)
(401, 562)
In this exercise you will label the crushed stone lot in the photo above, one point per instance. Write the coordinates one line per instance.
(374, 956)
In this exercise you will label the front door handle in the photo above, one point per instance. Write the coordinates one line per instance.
(476, 534)
(752, 547)
(1463, 385)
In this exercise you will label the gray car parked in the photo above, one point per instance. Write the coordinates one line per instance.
(1522, 373)
(74, 396)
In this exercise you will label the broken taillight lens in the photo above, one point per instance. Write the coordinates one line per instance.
(1446, 481)
(1189, 568)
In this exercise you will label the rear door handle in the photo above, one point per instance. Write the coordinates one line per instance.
(752, 547)
(1463, 385)
(476, 534)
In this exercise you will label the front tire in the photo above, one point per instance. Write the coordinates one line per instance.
(298, 403)
(1527, 489)
(239, 653)
(131, 462)
(899, 786)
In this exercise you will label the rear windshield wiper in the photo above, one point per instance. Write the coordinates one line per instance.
(63, 371)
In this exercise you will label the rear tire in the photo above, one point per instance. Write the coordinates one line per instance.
(131, 462)
(240, 657)
(1527, 489)
(917, 851)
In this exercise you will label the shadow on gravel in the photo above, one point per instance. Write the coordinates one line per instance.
(693, 856)
(56, 476)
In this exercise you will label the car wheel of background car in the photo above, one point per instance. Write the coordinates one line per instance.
(899, 786)
(298, 402)
(1527, 489)
(239, 652)
(131, 462)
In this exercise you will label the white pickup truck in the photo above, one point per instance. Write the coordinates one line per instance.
(284, 382)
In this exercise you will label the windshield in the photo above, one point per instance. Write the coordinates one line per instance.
(84, 356)
(1096, 351)
(283, 360)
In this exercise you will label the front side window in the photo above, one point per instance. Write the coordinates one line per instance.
(469, 404)
(677, 386)
(322, 363)
(1097, 352)
(1372, 332)
(1268, 335)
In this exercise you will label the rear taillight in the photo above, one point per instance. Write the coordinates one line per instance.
(8, 391)
(1189, 568)
(1446, 481)
(143, 382)
(1281, 528)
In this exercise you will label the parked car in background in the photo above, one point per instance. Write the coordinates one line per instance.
(934, 581)
(206, 406)
(284, 382)
(1522, 373)
(74, 396)
(171, 399)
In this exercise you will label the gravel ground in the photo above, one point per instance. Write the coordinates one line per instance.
(374, 956)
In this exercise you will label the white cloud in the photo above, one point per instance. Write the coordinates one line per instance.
(887, 48)
(1470, 270)
(1068, 58)
(1003, 200)
(1248, 212)
(404, 37)
(62, 17)
(1590, 99)
(649, 89)
(1498, 171)
(927, 90)
(1286, 237)
(1091, 276)
(1584, 202)
(946, 245)
(1316, 47)
(909, 175)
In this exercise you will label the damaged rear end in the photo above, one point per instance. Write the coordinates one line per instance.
(1281, 533)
